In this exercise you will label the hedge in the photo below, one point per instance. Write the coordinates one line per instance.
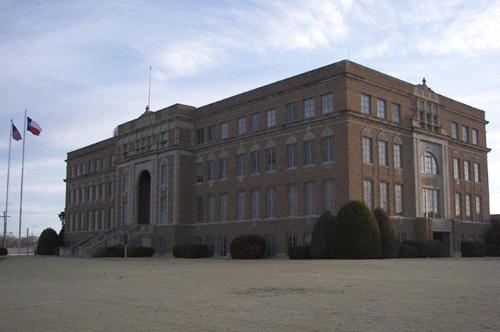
(48, 243)
(408, 251)
(473, 249)
(356, 235)
(248, 247)
(299, 252)
(492, 236)
(493, 250)
(191, 251)
(119, 251)
(3, 251)
(322, 235)
(427, 248)
(389, 240)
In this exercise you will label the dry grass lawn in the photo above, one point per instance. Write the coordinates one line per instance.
(166, 294)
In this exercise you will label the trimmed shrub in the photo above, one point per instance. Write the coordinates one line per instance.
(191, 251)
(48, 243)
(493, 251)
(473, 249)
(356, 234)
(435, 248)
(408, 251)
(3, 251)
(322, 235)
(492, 236)
(299, 252)
(248, 247)
(388, 238)
(119, 251)
(427, 248)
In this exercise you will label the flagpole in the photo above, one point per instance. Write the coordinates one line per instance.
(149, 90)
(5, 213)
(22, 180)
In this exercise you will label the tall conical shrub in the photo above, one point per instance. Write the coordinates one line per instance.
(321, 236)
(48, 243)
(357, 235)
(389, 240)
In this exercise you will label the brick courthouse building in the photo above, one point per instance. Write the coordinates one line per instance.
(269, 161)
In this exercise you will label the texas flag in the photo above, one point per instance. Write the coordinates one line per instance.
(34, 127)
(16, 134)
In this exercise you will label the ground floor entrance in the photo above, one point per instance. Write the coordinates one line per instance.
(445, 239)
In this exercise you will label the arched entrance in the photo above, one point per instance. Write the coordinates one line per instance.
(144, 198)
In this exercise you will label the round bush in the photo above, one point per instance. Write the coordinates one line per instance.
(388, 238)
(248, 247)
(3, 251)
(408, 251)
(48, 243)
(322, 235)
(492, 236)
(299, 252)
(191, 251)
(473, 249)
(356, 235)
(492, 250)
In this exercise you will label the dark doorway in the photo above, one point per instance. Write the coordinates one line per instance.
(144, 197)
(444, 238)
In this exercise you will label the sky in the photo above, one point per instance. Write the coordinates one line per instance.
(80, 68)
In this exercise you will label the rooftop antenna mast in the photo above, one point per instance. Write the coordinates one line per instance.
(148, 108)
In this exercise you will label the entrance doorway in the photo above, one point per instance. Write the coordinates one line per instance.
(444, 238)
(144, 198)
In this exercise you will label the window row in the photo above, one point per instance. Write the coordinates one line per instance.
(467, 203)
(474, 134)
(383, 152)
(91, 193)
(91, 220)
(382, 108)
(263, 204)
(92, 166)
(384, 196)
(469, 174)
(259, 121)
(257, 161)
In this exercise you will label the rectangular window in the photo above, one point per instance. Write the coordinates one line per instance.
(124, 151)
(200, 136)
(327, 103)
(199, 209)
(466, 170)
(465, 134)
(328, 196)
(396, 113)
(255, 204)
(271, 199)
(211, 133)
(223, 168)
(255, 122)
(125, 183)
(211, 208)
(199, 172)
(327, 149)
(475, 137)
(271, 118)
(477, 174)
(397, 156)
(468, 203)
(368, 193)
(291, 153)
(242, 126)
(224, 130)
(240, 164)
(365, 104)
(309, 152)
(291, 241)
(456, 169)
(398, 199)
(163, 211)
(241, 205)
(293, 200)
(309, 108)
(271, 159)
(310, 198)
(382, 153)
(211, 170)
(384, 196)
(454, 130)
(479, 216)
(291, 112)
(381, 108)
(163, 175)
(458, 204)
(431, 203)
(367, 150)
(255, 157)
(223, 207)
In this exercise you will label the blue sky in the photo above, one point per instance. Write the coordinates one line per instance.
(81, 67)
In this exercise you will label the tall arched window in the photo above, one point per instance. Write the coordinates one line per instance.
(429, 164)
